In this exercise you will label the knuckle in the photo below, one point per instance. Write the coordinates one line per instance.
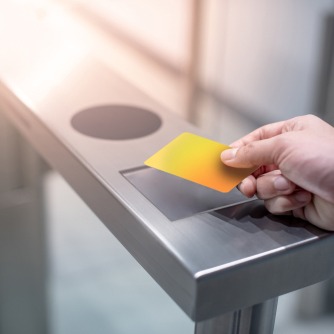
(248, 152)
(311, 117)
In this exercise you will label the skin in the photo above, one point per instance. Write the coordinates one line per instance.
(296, 173)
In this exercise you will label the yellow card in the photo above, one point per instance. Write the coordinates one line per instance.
(197, 159)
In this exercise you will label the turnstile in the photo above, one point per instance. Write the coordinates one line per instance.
(223, 259)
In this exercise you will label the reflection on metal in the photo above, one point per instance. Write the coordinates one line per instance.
(178, 198)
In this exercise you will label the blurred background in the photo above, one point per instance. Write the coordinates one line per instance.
(227, 66)
(261, 61)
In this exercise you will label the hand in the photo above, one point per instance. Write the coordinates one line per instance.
(296, 173)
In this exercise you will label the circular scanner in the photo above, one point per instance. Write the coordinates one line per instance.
(116, 122)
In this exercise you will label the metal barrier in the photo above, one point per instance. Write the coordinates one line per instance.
(224, 267)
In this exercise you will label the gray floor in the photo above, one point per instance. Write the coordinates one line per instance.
(97, 287)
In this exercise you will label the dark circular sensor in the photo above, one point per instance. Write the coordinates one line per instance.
(116, 122)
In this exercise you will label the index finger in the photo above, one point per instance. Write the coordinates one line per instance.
(264, 132)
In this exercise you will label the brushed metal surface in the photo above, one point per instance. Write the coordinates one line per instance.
(209, 263)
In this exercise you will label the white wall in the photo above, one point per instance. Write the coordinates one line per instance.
(267, 58)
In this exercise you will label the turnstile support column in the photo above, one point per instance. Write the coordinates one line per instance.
(257, 319)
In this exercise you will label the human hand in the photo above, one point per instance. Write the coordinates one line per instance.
(296, 173)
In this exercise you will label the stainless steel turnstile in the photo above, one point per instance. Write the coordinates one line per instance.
(222, 259)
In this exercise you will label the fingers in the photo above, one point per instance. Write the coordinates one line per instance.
(280, 195)
(257, 153)
(289, 203)
(257, 148)
(267, 185)
(273, 184)
(264, 132)
(248, 186)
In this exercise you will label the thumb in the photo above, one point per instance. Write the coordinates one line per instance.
(257, 153)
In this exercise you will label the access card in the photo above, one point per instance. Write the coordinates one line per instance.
(197, 159)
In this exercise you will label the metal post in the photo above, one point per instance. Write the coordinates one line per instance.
(23, 291)
(257, 319)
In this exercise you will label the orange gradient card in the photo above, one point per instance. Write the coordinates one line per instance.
(197, 159)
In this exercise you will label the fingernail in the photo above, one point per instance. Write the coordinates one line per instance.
(281, 183)
(229, 154)
(246, 187)
(302, 196)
